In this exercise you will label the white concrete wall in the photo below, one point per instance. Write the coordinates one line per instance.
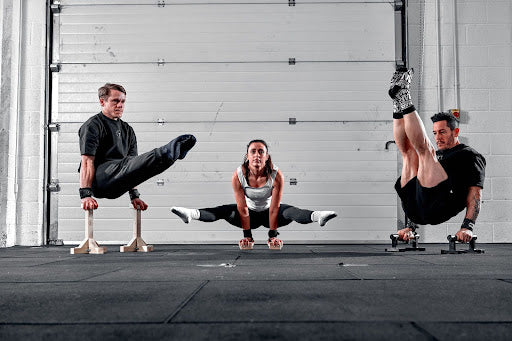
(22, 122)
(484, 95)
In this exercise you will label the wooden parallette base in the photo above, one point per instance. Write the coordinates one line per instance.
(249, 246)
(275, 246)
(137, 244)
(88, 245)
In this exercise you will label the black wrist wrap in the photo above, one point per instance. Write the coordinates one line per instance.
(85, 192)
(272, 233)
(468, 224)
(134, 194)
(248, 233)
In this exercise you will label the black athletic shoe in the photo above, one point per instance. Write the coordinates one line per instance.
(178, 148)
(186, 142)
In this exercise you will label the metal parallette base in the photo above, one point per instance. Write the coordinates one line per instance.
(413, 247)
(452, 246)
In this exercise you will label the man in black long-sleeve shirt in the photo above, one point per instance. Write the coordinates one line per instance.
(434, 186)
(110, 165)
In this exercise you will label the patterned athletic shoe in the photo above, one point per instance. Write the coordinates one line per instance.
(401, 80)
(399, 92)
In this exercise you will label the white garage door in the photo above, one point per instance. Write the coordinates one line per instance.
(224, 71)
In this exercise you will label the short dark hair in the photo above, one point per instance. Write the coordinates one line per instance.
(104, 91)
(451, 120)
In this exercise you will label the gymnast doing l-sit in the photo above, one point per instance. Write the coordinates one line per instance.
(258, 188)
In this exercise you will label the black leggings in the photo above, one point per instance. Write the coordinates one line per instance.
(286, 215)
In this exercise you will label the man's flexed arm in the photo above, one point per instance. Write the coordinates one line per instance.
(87, 172)
(473, 203)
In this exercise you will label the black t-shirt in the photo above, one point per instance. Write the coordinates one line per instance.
(465, 168)
(107, 139)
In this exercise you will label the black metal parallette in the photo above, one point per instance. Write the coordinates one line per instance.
(414, 244)
(452, 246)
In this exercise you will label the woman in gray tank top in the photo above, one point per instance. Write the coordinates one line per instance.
(258, 188)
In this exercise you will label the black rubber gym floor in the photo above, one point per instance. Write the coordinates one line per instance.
(217, 292)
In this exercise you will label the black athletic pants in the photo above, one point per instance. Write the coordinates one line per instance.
(114, 178)
(286, 215)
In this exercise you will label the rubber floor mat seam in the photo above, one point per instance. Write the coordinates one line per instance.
(185, 302)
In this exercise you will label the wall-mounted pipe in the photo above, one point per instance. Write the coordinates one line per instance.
(455, 57)
(14, 122)
(438, 54)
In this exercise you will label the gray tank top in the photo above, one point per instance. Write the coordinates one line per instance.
(257, 198)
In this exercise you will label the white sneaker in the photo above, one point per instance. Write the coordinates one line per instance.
(184, 213)
(325, 216)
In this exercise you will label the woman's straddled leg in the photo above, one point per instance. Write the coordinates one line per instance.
(226, 212)
(288, 213)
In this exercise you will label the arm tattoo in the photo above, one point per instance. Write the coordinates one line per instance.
(476, 208)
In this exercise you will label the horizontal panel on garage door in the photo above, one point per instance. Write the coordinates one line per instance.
(230, 32)
(337, 166)
(231, 92)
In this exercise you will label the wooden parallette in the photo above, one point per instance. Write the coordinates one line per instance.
(88, 245)
(137, 244)
(275, 244)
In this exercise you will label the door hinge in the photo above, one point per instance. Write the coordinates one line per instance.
(55, 7)
(53, 186)
(55, 67)
(291, 2)
(293, 181)
(53, 127)
(161, 3)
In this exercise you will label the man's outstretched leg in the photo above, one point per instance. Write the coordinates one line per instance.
(430, 172)
(115, 178)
